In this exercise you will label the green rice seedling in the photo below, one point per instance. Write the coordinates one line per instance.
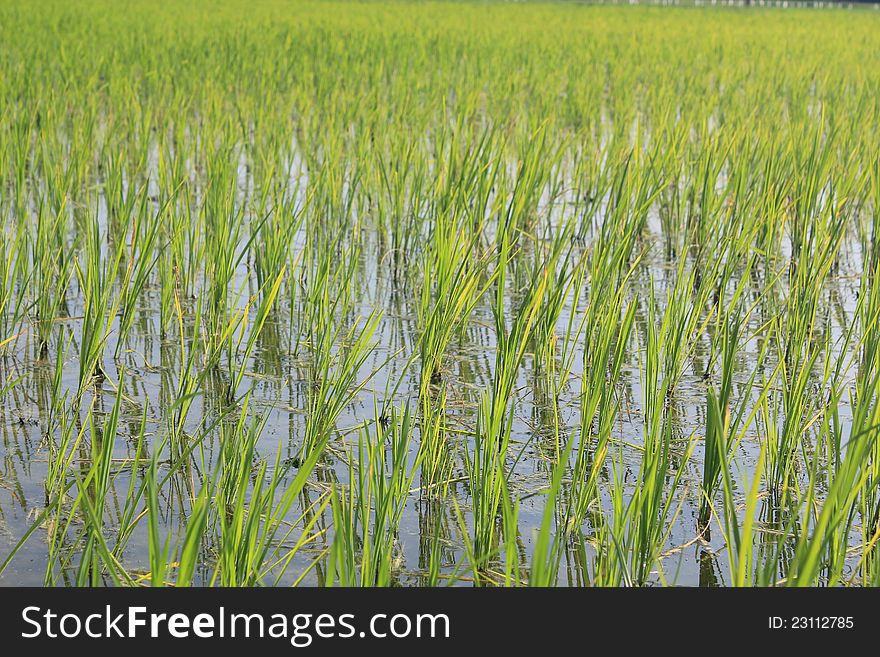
(96, 271)
(563, 270)
(188, 381)
(511, 342)
(336, 354)
(683, 321)
(183, 253)
(719, 443)
(58, 395)
(366, 517)
(159, 551)
(223, 220)
(606, 333)
(510, 542)
(870, 234)
(815, 250)
(84, 552)
(57, 500)
(328, 281)
(573, 333)
(434, 454)
(454, 283)
(142, 260)
(544, 567)
(535, 163)
(817, 545)
(239, 519)
(607, 328)
(837, 536)
(167, 290)
(50, 273)
(17, 139)
(634, 190)
(251, 517)
(241, 350)
(403, 182)
(638, 526)
(868, 364)
(339, 358)
(281, 220)
(705, 205)
(740, 538)
(598, 406)
(121, 195)
(822, 547)
(187, 555)
(488, 483)
(468, 165)
(127, 517)
(486, 464)
(12, 274)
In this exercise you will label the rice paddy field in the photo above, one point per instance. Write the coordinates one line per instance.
(437, 294)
